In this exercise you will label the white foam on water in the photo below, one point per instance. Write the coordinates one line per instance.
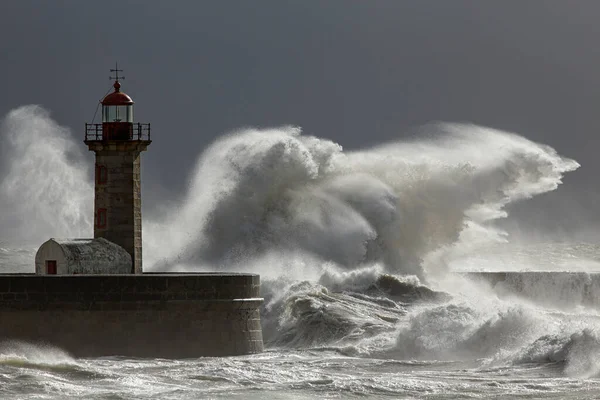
(354, 247)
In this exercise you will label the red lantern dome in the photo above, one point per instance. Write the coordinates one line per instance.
(117, 98)
(117, 106)
(117, 118)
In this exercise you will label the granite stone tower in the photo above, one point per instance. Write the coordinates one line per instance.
(118, 143)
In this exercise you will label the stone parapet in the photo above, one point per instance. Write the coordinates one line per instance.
(149, 315)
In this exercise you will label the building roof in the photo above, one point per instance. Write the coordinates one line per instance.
(72, 242)
(117, 98)
(92, 256)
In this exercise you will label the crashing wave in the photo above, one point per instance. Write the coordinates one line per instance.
(350, 245)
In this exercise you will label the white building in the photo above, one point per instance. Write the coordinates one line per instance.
(81, 256)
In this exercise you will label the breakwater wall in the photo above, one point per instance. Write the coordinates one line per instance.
(565, 290)
(147, 315)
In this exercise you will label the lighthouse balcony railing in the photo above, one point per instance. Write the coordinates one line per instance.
(133, 131)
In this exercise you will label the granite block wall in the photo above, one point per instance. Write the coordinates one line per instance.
(120, 195)
(149, 315)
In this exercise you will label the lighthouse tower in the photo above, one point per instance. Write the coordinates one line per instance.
(118, 143)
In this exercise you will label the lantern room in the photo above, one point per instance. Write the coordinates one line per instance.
(117, 115)
(117, 118)
(117, 106)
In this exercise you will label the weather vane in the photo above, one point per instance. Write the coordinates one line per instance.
(116, 71)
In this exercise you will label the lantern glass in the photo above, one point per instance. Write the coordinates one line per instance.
(117, 113)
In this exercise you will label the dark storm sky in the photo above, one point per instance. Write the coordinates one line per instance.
(355, 71)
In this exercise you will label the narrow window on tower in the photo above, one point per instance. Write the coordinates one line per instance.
(101, 174)
(101, 218)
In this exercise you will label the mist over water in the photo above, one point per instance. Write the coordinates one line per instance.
(276, 194)
(45, 186)
(280, 195)
(354, 249)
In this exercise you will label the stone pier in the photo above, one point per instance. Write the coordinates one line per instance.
(147, 315)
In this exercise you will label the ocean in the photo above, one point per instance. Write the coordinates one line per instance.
(361, 256)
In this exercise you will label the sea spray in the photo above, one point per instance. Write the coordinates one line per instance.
(352, 246)
(257, 193)
(260, 192)
(45, 189)
(18, 353)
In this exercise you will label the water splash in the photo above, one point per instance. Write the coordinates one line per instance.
(260, 192)
(23, 354)
(349, 243)
(45, 190)
(268, 194)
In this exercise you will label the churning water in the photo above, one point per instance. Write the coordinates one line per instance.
(357, 251)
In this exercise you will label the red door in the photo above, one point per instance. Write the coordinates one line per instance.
(51, 267)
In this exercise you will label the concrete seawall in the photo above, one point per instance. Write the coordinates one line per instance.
(149, 315)
(565, 290)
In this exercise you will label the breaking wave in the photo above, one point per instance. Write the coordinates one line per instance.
(278, 195)
(22, 354)
(45, 189)
(353, 247)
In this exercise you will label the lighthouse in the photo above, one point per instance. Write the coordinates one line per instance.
(90, 297)
(118, 143)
